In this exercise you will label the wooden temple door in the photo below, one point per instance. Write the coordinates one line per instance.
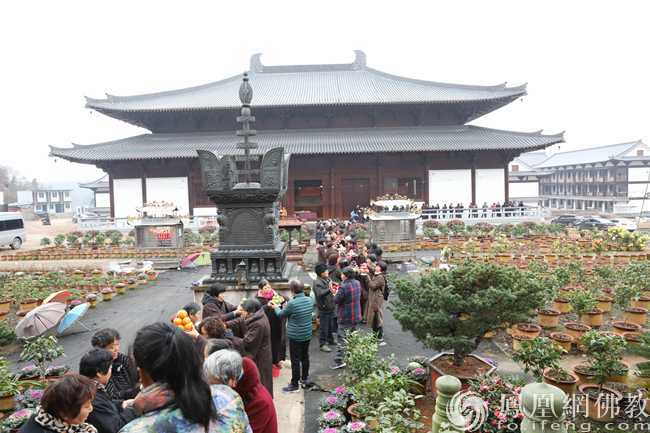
(356, 192)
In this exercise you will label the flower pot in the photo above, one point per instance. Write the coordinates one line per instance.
(636, 315)
(562, 305)
(641, 375)
(548, 318)
(3, 315)
(120, 289)
(583, 373)
(7, 403)
(529, 329)
(620, 327)
(562, 340)
(517, 339)
(107, 296)
(92, 303)
(567, 384)
(642, 302)
(594, 318)
(442, 364)
(622, 377)
(601, 409)
(632, 339)
(5, 306)
(605, 304)
(575, 329)
(354, 416)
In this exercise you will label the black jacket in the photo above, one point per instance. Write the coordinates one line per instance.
(106, 416)
(324, 298)
(32, 427)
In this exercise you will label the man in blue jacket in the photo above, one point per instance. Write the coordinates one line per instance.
(298, 313)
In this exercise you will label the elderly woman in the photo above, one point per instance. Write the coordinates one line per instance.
(223, 369)
(278, 336)
(258, 402)
(65, 406)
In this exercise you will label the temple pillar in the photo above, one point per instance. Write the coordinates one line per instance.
(111, 194)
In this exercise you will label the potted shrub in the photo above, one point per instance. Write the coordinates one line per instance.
(7, 334)
(576, 329)
(548, 318)
(55, 372)
(8, 386)
(92, 299)
(620, 327)
(120, 288)
(45, 242)
(17, 419)
(59, 239)
(583, 303)
(605, 352)
(562, 340)
(454, 309)
(41, 351)
(641, 370)
(624, 295)
(541, 358)
(397, 413)
(107, 293)
(528, 329)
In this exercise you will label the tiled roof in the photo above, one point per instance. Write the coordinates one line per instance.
(589, 155)
(531, 159)
(101, 183)
(298, 85)
(311, 141)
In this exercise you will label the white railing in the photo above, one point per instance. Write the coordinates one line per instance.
(126, 224)
(502, 215)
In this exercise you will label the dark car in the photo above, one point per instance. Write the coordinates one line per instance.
(594, 223)
(567, 220)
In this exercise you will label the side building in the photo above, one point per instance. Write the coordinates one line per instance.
(353, 132)
(47, 200)
(612, 179)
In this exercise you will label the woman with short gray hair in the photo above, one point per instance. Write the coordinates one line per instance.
(223, 370)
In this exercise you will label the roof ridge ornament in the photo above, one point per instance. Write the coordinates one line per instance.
(359, 60)
(256, 63)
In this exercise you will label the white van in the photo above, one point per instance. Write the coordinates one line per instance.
(12, 229)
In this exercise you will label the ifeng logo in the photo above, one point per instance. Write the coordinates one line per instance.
(466, 411)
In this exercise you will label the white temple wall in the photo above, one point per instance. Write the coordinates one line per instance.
(127, 197)
(171, 190)
(102, 199)
(490, 186)
(450, 186)
(523, 189)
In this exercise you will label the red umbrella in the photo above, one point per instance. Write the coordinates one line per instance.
(60, 296)
(189, 259)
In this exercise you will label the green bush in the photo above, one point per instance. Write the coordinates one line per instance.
(7, 334)
(454, 309)
(59, 239)
(45, 242)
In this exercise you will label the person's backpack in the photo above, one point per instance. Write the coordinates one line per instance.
(387, 288)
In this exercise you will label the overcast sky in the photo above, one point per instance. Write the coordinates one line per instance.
(586, 62)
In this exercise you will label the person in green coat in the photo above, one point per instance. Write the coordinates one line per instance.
(298, 312)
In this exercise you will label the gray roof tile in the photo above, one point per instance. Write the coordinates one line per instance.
(296, 85)
(311, 141)
(588, 156)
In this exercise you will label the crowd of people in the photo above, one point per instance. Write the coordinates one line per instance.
(459, 211)
(218, 376)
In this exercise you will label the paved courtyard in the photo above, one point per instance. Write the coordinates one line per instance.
(297, 413)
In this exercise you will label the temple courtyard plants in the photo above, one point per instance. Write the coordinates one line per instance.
(454, 309)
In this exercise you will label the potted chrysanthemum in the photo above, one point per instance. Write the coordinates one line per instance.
(331, 418)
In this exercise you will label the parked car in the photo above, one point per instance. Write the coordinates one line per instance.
(629, 225)
(12, 230)
(594, 223)
(567, 220)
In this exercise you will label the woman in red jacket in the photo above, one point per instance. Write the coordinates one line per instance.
(258, 402)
